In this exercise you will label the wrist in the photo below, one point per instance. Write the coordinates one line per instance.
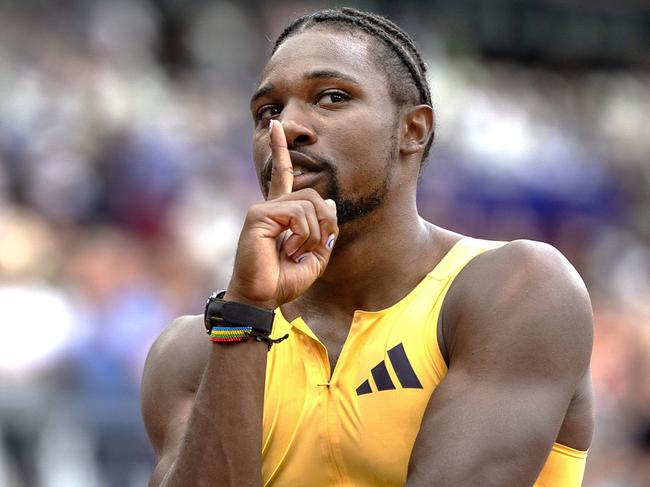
(232, 295)
(222, 312)
(227, 320)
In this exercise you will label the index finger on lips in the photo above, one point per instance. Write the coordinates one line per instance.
(281, 169)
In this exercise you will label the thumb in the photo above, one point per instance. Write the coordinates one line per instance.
(320, 255)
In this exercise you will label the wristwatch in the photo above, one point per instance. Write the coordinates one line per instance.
(232, 314)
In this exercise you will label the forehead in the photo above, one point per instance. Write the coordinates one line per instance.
(327, 50)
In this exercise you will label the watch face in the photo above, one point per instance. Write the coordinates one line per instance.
(209, 312)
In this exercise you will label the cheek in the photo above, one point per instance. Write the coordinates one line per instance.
(370, 129)
(363, 147)
(260, 152)
(361, 133)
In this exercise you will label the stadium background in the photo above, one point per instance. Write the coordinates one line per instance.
(125, 173)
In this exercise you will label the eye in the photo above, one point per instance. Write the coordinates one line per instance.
(333, 97)
(267, 112)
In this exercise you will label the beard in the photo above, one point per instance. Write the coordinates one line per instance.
(350, 207)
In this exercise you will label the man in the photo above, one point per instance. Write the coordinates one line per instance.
(401, 353)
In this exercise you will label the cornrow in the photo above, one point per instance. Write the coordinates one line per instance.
(395, 31)
(392, 36)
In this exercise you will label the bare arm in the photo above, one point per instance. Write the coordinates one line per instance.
(519, 343)
(202, 403)
(204, 420)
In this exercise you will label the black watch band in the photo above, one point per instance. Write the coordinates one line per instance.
(232, 314)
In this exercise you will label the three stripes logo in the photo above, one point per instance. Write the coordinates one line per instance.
(403, 370)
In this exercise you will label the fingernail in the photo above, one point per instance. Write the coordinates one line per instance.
(300, 259)
(270, 126)
(330, 241)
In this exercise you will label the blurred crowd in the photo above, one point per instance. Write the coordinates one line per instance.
(125, 173)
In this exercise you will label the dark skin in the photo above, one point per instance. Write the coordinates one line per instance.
(515, 329)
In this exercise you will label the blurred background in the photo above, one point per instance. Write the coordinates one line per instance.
(125, 173)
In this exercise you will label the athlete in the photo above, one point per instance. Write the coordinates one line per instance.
(356, 343)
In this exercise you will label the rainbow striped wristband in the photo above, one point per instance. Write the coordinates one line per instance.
(230, 334)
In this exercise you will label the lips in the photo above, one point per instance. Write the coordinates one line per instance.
(304, 168)
(306, 180)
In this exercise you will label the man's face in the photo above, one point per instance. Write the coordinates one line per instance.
(338, 116)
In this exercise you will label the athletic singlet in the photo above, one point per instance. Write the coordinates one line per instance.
(357, 426)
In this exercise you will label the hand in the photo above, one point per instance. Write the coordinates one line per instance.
(286, 242)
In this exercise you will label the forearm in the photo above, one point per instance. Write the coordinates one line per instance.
(223, 441)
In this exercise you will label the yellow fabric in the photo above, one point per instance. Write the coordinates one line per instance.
(564, 467)
(323, 429)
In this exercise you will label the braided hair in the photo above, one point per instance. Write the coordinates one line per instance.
(399, 58)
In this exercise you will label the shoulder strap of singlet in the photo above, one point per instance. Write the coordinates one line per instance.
(460, 254)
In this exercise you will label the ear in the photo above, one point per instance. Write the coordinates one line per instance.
(417, 125)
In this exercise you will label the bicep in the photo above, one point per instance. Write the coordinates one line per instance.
(168, 392)
(517, 353)
(166, 423)
(476, 432)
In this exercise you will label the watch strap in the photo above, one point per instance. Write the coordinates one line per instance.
(219, 312)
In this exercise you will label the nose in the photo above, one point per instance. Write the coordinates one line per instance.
(296, 130)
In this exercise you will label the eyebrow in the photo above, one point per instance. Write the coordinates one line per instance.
(325, 73)
(262, 91)
(318, 74)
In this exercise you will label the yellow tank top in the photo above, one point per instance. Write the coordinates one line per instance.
(357, 426)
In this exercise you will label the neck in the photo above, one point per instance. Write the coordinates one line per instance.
(378, 260)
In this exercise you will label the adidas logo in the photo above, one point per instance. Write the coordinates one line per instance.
(403, 370)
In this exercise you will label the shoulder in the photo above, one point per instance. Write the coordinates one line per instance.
(183, 338)
(178, 356)
(507, 272)
(527, 265)
(525, 296)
